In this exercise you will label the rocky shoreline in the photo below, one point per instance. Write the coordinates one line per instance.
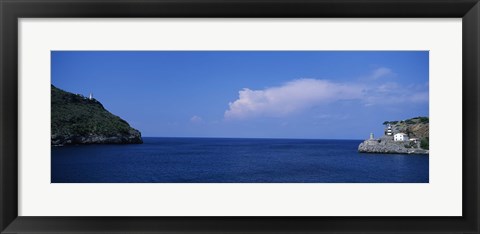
(385, 145)
(134, 137)
(410, 136)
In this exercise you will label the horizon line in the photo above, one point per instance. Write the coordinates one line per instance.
(265, 138)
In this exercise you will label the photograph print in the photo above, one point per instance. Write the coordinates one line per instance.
(240, 117)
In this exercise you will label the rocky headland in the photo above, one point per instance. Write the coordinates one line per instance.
(385, 145)
(416, 141)
(80, 120)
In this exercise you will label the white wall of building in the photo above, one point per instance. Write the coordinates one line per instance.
(400, 137)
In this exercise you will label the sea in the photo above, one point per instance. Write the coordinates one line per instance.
(229, 160)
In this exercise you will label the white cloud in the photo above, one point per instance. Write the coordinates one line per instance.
(289, 98)
(303, 94)
(394, 93)
(419, 97)
(381, 72)
(196, 119)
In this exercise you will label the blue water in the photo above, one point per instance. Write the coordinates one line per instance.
(222, 160)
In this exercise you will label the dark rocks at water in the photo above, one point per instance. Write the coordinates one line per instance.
(386, 145)
(133, 137)
(80, 120)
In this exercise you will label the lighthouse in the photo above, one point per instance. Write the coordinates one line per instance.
(389, 131)
(90, 96)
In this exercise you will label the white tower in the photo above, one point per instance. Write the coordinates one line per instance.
(389, 130)
(90, 96)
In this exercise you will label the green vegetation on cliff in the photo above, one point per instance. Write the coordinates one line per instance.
(415, 120)
(76, 119)
(425, 143)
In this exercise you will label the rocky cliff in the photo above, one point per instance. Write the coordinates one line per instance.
(386, 145)
(417, 130)
(80, 120)
(417, 127)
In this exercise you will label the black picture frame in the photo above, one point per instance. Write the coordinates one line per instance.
(11, 11)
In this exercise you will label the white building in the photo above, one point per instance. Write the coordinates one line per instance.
(400, 137)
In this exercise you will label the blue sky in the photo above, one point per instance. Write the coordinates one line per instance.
(259, 94)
